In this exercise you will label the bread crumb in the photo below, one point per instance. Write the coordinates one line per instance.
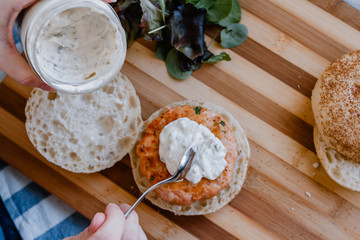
(292, 209)
(308, 194)
(314, 173)
(298, 86)
(315, 164)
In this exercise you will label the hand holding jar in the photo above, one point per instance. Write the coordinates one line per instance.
(11, 62)
(71, 46)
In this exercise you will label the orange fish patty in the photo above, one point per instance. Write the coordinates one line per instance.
(185, 192)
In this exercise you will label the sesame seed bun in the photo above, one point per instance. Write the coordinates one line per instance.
(336, 106)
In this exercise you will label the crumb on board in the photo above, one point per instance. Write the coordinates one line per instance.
(314, 173)
(308, 194)
(315, 164)
(298, 86)
(292, 209)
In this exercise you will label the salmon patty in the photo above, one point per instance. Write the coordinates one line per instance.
(154, 170)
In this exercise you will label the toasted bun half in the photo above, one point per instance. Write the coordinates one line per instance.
(335, 102)
(225, 195)
(340, 168)
(85, 133)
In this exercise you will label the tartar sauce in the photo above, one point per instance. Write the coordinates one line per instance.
(177, 136)
(77, 44)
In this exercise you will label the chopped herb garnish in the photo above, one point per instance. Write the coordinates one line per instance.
(152, 178)
(224, 132)
(197, 109)
(222, 123)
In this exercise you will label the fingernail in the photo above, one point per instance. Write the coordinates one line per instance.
(96, 222)
(113, 205)
(92, 225)
(124, 207)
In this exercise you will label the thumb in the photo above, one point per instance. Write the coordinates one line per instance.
(113, 226)
(95, 224)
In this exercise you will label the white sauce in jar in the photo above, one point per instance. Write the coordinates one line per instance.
(177, 136)
(77, 44)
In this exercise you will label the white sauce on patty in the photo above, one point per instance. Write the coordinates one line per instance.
(177, 136)
(77, 44)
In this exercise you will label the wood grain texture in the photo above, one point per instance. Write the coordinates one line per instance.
(296, 29)
(340, 10)
(267, 87)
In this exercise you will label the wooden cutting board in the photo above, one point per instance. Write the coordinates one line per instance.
(267, 87)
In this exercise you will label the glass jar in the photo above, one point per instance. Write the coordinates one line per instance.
(75, 46)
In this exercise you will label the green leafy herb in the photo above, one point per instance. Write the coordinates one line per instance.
(222, 123)
(201, 3)
(234, 35)
(163, 8)
(197, 109)
(223, 56)
(173, 60)
(129, 12)
(212, 41)
(187, 64)
(162, 49)
(152, 18)
(234, 16)
(219, 10)
(186, 27)
(178, 27)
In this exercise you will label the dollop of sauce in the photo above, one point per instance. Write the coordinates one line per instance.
(177, 136)
(77, 44)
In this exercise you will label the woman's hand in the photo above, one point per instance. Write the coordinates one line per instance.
(11, 62)
(112, 225)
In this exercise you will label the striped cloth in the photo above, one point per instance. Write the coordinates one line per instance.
(29, 211)
(354, 3)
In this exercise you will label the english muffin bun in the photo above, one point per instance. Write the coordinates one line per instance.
(336, 106)
(225, 195)
(340, 168)
(85, 133)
